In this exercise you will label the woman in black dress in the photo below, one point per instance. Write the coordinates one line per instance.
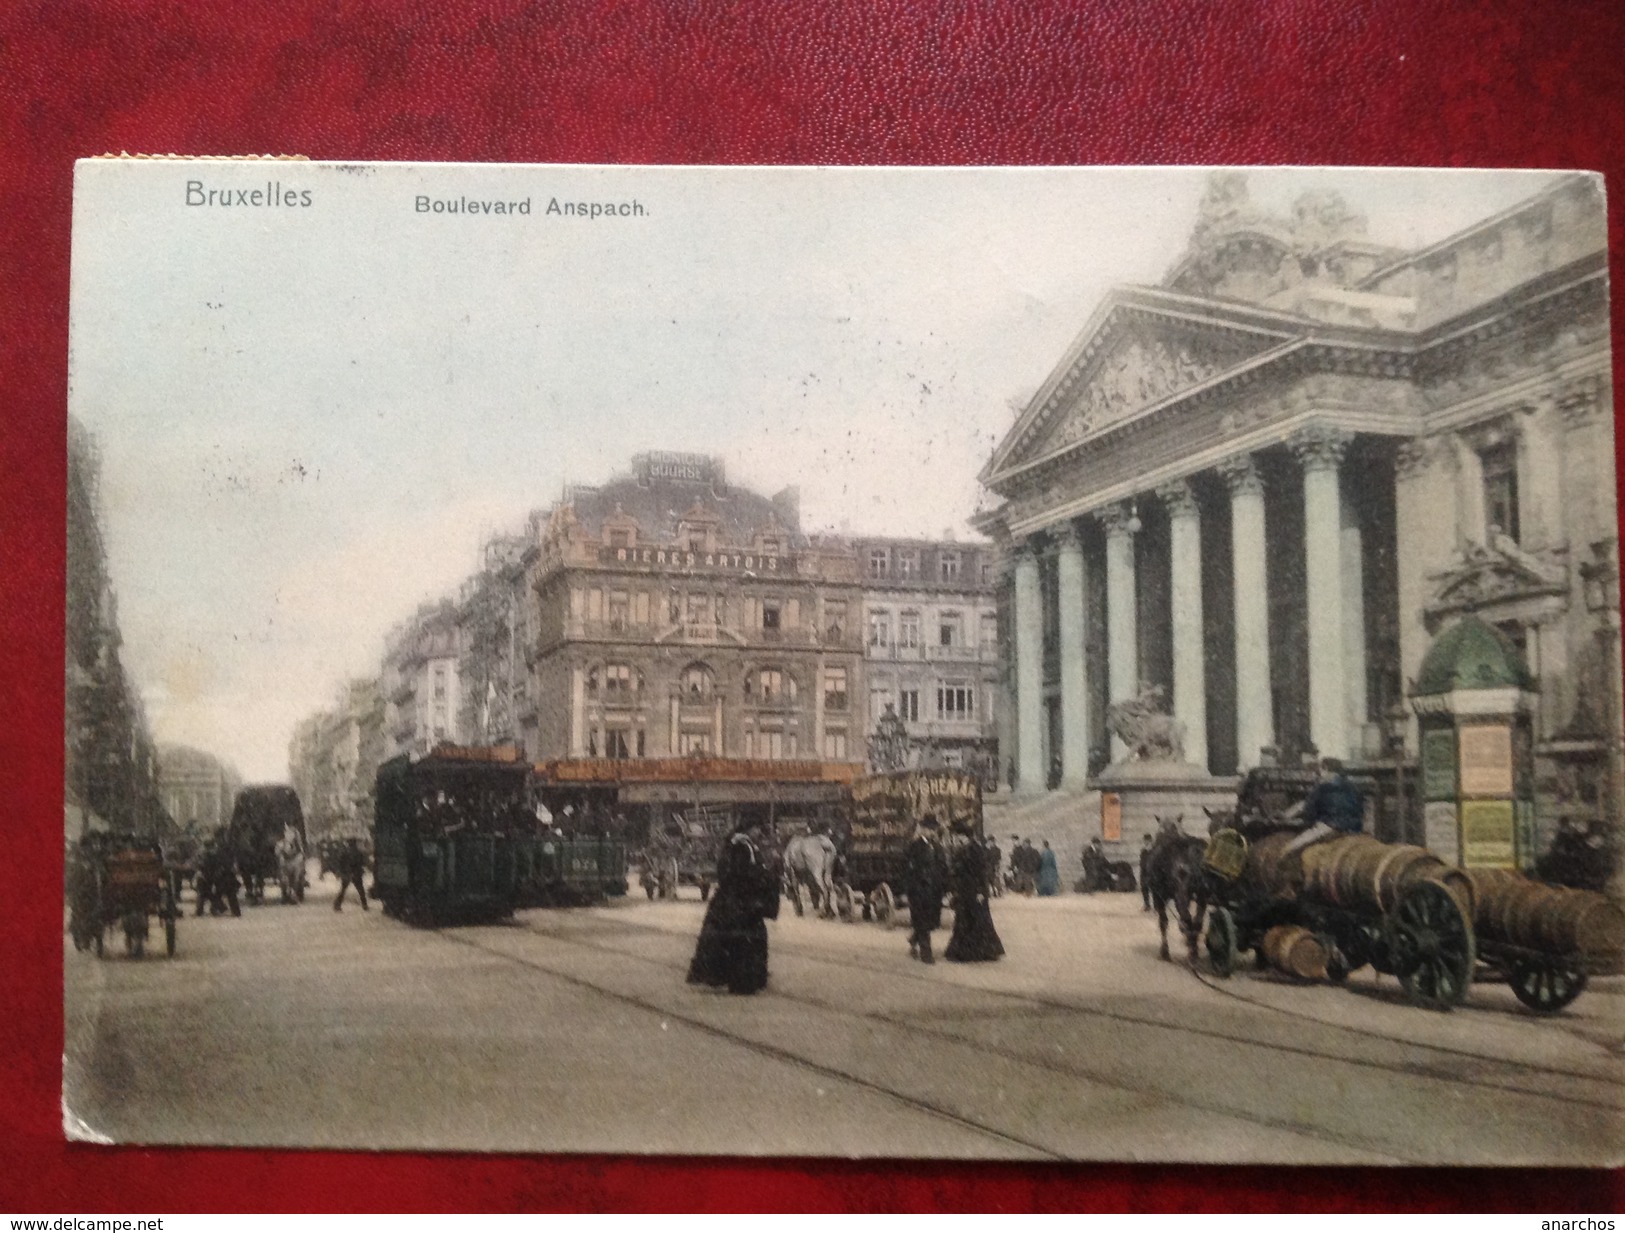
(974, 940)
(732, 948)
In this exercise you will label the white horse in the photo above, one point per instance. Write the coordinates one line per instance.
(809, 861)
(290, 861)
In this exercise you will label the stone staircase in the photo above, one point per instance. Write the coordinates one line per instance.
(1068, 819)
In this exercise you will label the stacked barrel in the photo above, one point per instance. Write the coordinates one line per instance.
(1354, 872)
(1517, 911)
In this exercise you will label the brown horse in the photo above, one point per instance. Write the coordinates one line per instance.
(1174, 875)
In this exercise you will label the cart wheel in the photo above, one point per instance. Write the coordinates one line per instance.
(1430, 942)
(883, 906)
(1221, 942)
(844, 907)
(1546, 986)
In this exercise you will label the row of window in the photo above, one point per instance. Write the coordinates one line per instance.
(631, 743)
(954, 701)
(625, 609)
(698, 682)
(904, 564)
(950, 629)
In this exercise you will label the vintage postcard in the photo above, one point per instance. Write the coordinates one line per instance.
(1047, 663)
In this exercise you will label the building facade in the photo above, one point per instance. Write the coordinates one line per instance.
(1265, 485)
(673, 613)
(333, 762)
(419, 680)
(196, 787)
(492, 636)
(931, 646)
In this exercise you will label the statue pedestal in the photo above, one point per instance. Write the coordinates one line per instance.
(1135, 793)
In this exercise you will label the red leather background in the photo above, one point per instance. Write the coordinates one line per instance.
(1513, 83)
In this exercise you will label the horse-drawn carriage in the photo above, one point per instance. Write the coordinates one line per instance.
(1339, 904)
(884, 812)
(266, 835)
(684, 851)
(120, 883)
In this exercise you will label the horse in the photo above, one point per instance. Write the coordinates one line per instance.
(809, 861)
(1174, 875)
(290, 857)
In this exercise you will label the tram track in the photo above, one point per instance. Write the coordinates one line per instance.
(773, 1052)
(1070, 1069)
(1537, 1075)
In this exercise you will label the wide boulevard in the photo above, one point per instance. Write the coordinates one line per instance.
(573, 1031)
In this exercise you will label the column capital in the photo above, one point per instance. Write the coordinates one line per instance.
(1579, 400)
(1414, 456)
(1320, 447)
(1177, 498)
(1067, 535)
(1241, 473)
(1119, 519)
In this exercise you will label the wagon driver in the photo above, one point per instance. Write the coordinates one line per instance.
(1333, 807)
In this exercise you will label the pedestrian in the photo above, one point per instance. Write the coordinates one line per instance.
(1029, 868)
(1049, 873)
(1146, 844)
(352, 871)
(219, 873)
(731, 951)
(995, 859)
(1333, 807)
(925, 878)
(974, 940)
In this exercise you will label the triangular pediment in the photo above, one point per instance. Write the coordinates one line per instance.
(1142, 348)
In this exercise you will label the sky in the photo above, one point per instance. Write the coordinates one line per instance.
(310, 417)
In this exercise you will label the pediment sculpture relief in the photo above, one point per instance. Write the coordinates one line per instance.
(1133, 376)
(1498, 572)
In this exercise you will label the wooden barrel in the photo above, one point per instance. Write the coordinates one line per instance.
(1267, 872)
(1490, 889)
(1297, 952)
(1521, 909)
(1319, 868)
(1358, 874)
(1572, 921)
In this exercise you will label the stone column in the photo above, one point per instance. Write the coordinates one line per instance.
(1352, 564)
(1074, 682)
(1185, 567)
(1320, 452)
(1426, 540)
(1122, 630)
(1029, 674)
(1255, 710)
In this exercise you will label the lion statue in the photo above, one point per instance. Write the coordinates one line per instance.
(1144, 725)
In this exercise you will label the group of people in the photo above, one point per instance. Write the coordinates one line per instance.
(1033, 871)
(731, 951)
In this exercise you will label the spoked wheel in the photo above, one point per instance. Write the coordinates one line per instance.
(844, 906)
(883, 904)
(1430, 943)
(1222, 950)
(1546, 987)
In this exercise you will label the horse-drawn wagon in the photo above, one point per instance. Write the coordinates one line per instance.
(1339, 904)
(121, 884)
(884, 812)
(266, 835)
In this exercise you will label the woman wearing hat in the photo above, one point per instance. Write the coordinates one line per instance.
(732, 948)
